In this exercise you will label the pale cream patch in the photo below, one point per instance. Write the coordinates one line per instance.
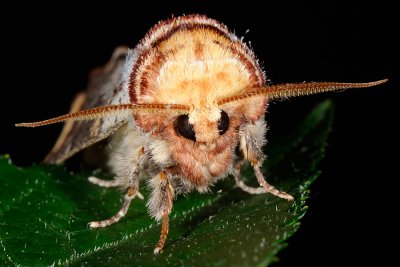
(160, 151)
(200, 83)
(210, 112)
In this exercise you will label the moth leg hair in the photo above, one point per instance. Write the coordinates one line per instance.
(160, 204)
(130, 194)
(126, 163)
(110, 183)
(269, 188)
(132, 180)
(242, 185)
(104, 183)
(252, 139)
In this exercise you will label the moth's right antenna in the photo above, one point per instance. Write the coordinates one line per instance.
(284, 91)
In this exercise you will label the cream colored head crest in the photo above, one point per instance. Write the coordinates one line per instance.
(207, 113)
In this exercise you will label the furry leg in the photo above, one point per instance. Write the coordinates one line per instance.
(104, 183)
(164, 233)
(161, 205)
(111, 183)
(243, 186)
(269, 188)
(252, 138)
(264, 186)
(130, 194)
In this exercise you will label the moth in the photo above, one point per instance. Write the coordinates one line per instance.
(174, 110)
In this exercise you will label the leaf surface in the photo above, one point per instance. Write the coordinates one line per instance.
(44, 211)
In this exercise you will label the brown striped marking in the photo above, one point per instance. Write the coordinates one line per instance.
(151, 58)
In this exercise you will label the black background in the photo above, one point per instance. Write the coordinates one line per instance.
(49, 51)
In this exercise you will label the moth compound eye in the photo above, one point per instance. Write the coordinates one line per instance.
(184, 128)
(223, 123)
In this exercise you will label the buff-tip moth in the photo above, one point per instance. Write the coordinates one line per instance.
(174, 109)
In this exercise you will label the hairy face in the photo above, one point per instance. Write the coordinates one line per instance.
(196, 66)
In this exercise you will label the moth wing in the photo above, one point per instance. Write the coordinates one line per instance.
(104, 89)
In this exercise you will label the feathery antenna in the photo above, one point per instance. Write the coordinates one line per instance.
(101, 112)
(283, 91)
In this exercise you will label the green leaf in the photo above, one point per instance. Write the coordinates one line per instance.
(44, 211)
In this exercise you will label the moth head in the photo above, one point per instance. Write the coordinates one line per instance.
(203, 126)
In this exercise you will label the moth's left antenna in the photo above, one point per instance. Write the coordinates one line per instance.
(101, 112)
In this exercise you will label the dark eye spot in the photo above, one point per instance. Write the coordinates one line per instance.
(223, 123)
(184, 128)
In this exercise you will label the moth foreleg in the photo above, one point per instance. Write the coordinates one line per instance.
(113, 183)
(269, 188)
(164, 233)
(242, 185)
(130, 194)
(104, 183)
(160, 205)
(252, 138)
